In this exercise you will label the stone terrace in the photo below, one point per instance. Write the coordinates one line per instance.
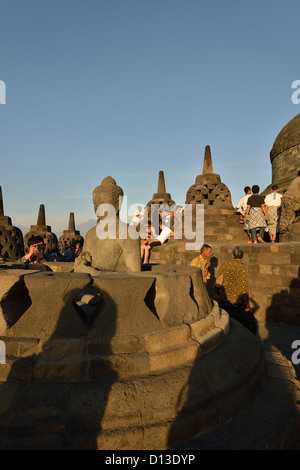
(274, 274)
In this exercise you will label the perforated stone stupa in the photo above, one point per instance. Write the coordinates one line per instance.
(161, 197)
(44, 230)
(70, 236)
(11, 238)
(118, 358)
(208, 188)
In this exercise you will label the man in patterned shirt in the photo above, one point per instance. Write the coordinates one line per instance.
(233, 292)
(201, 261)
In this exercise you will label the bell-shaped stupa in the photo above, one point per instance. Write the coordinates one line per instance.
(71, 236)
(43, 230)
(11, 238)
(161, 197)
(214, 195)
(208, 188)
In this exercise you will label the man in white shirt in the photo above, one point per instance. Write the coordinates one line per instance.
(137, 217)
(242, 204)
(273, 203)
(164, 234)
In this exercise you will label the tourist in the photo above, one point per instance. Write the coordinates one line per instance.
(177, 211)
(165, 216)
(232, 292)
(288, 202)
(273, 203)
(154, 240)
(164, 234)
(68, 254)
(137, 217)
(256, 214)
(78, 250)
(202, 263)
(145, 251)
(242, 204)
(156, 218)
(36, 251)
(145, 243)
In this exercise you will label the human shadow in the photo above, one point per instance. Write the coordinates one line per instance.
(285, 305)
(241, 310)
(212, 269)
(232, 428)
(283, 322)
(55, 398)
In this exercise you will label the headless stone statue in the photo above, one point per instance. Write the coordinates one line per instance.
(288, 204)
(120, 253)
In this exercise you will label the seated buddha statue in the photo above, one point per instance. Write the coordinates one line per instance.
(108, 246)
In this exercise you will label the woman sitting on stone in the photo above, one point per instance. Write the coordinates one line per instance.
(154, 240)
(145, 243)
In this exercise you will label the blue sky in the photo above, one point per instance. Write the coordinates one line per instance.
(127, 88)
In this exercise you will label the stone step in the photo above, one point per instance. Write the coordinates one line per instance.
(276, 408)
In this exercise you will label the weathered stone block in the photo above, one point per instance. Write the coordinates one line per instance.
(265, 268)
(51, 312)
(268, 258)
(14, 297)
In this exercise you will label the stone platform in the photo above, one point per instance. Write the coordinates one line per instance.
(273, 269)
(269, 423)
(150, 365)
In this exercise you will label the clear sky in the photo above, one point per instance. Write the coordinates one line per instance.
(126, 88)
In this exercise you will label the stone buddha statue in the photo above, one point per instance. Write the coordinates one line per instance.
(108, 246)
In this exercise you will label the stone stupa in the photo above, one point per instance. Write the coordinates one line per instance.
(285, 161)
(121, 359)
(11, 238)
(71, 236)
(43, 230)
(161, 197)
(209, 190)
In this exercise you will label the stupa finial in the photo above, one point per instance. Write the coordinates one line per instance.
(1, 203)
(207, 164)
(41, 220)
(161, 187)
(71, 222)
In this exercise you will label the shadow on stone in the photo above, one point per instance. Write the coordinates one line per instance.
(56, 397)
(285, 305)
